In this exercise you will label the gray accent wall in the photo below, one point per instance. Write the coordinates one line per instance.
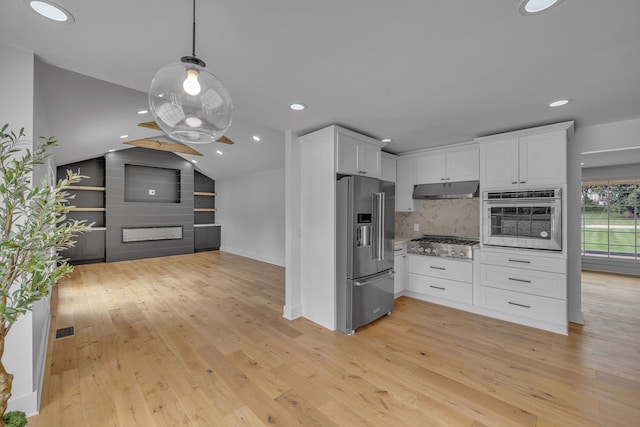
(121, 214)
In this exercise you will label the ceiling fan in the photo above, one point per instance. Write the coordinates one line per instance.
(154, 125)
(174, 147)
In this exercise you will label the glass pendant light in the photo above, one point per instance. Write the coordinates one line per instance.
(188, 102)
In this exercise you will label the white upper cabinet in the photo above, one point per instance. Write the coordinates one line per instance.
(499, 164)
(463, 165)
(450, 166)
(404, 186)
(432, 168)
(389, 167)
(543, 159)
(358, 156)
(525, 161)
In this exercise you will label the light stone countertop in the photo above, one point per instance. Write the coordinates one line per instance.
(401, 240)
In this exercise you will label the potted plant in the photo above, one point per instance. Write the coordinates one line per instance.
(33, 228)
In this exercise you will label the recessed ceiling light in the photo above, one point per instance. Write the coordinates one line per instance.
(559, 103)
(297, 107)
(194, 161)
(256, 138)
(51, 11)
(219, 152)
(386, 140)
(581, 163)
(143, 112)
(124, 136)
(532, 7)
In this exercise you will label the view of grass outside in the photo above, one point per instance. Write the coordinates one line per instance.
(611, 218)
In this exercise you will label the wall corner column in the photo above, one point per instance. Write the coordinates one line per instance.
(293, 234)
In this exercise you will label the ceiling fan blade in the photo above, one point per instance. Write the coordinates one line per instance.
(154, 125)
(173, 147)
(225, 140)
(149, 125)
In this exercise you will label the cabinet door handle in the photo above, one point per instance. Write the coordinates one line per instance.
(514, 182)
(523, 182)
(448, 179)
(519, 280)
(437, 287)
(519, 260)
(437, 268)
(519, 305)
(442, 179)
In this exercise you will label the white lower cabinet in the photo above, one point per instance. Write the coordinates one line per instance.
(400, 269)
(526, 281)
(526, 285)
(523, 287)
(441, 288)
(439, 279)
(544, 309)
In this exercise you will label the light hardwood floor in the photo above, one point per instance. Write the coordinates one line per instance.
(199, 340)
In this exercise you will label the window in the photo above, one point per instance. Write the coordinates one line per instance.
(611, 218)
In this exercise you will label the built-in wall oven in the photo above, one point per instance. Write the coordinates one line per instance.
(523, 219)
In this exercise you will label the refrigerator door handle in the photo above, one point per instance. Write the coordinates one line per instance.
(375, 279)
(378, 221)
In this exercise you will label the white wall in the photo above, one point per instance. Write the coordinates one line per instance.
(293, 234)
(610, 136)
(17, 109)
(251, 210)
(44, 173)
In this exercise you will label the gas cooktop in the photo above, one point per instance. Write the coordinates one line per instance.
(443, 246)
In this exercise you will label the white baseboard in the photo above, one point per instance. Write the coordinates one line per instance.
(292, 312)
(27, 403)
(41, 361)
(576, 316)
(260, 257)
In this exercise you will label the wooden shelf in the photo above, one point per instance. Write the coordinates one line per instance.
(204, 193)
(84, 187)
(205, 210)
(87, 210)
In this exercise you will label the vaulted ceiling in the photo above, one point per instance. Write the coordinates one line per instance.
(425, 73)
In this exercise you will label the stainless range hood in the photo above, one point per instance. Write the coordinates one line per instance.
(447, 190)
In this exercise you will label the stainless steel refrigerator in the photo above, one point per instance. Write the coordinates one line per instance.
(365, 210)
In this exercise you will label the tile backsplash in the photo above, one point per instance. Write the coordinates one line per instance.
(455, 217)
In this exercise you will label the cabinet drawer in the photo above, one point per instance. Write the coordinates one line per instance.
(441, 288)
(535, 307)
(459, 270)
(533, 282)
(519, 259)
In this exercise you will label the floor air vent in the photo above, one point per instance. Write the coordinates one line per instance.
(64, 332)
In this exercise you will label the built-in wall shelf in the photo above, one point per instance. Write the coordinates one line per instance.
(87, 210)
(88, 204)
(84, 187)
(206, 233)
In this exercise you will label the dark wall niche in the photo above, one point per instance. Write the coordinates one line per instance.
(173, 208)
(88, 197)
(151, 184)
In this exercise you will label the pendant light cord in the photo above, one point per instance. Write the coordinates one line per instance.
(194, 30)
